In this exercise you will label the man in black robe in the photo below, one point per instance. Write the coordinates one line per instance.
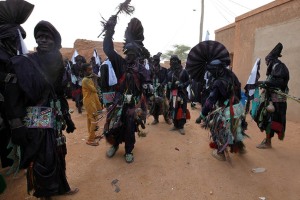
(224, 110)
(159, 105)
(77, 74)
(278, 77)
(124, 114)
(10, 45)
(178, 81)
(38, 112)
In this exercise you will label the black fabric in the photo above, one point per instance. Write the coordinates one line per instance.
(41, 146)
(278, 75)
(223, 88)
(196, 90)
(11, 31)
(174, 76)
(160, 73)
(202, 54)
(104, 84)
(15, 11)
(131, 77)
(275, 53)
(277, 78)
(159, 76)
(5, 135)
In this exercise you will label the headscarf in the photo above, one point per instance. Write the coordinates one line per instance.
(275, 53)
(47, 26)
(11, 31)
(13, 13)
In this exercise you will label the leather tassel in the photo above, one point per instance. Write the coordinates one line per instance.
(30, 179)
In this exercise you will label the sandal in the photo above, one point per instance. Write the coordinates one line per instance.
(72, 191)
(111, 151)
(129, 157)
(99, 137)
(265, 144)
(92, 143)
(219, 156)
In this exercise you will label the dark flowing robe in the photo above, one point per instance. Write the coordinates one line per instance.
(159, 103)
(130, 81)
(222, 89)
(40, 83)
(179, 111)
(277, 79)
(76, 87)
(225, 112)
(4, 125)
(9, 38)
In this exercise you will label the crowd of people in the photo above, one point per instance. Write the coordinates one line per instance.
(35, 86)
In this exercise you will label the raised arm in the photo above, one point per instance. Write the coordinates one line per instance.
(108, 47)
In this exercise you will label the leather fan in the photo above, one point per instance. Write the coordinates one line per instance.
(202, 54)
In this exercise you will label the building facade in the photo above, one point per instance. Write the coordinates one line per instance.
(254, 34)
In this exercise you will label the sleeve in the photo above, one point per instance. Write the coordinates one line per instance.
(115, 59)
(210, 101)
(65, 110)
(88, 84)
(185, 79)
(15, 102)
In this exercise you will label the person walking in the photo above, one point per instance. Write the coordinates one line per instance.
(271, 115)
(159, 101)
(178, 81)
(129, 106)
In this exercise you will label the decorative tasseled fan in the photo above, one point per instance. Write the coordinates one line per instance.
(124, 7)
(15, 11)
(202, 54)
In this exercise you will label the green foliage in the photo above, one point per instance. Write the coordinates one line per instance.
(180, 50)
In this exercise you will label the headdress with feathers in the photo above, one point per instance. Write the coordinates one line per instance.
(275, 53)
(13, 13)
(157, 56)
(134, 37)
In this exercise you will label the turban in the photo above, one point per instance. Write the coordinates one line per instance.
(13, 13)
(47, 26)
(275, 53)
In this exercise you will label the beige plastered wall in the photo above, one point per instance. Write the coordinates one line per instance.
(255, 34)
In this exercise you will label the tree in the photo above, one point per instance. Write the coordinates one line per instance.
(180, 50)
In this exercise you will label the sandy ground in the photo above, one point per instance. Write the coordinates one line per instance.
(170, 166)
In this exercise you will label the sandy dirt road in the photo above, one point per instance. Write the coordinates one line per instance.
(170, 166)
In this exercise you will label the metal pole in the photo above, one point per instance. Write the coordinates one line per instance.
(201, 20)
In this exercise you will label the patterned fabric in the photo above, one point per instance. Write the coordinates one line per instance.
(227, 131)
(39, 117)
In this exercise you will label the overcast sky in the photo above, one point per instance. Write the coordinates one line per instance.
(165, 22)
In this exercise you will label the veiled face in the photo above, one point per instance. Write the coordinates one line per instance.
(269, 61)
(45, 41)
(130, 57)
(174, 64)
(156, 62)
